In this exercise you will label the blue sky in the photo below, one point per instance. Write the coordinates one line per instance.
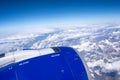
(19, 14)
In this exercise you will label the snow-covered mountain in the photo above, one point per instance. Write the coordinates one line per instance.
(99, 45)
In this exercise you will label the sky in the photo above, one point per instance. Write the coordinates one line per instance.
(26, 14)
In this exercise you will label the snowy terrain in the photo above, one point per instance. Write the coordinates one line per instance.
(99, 45)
